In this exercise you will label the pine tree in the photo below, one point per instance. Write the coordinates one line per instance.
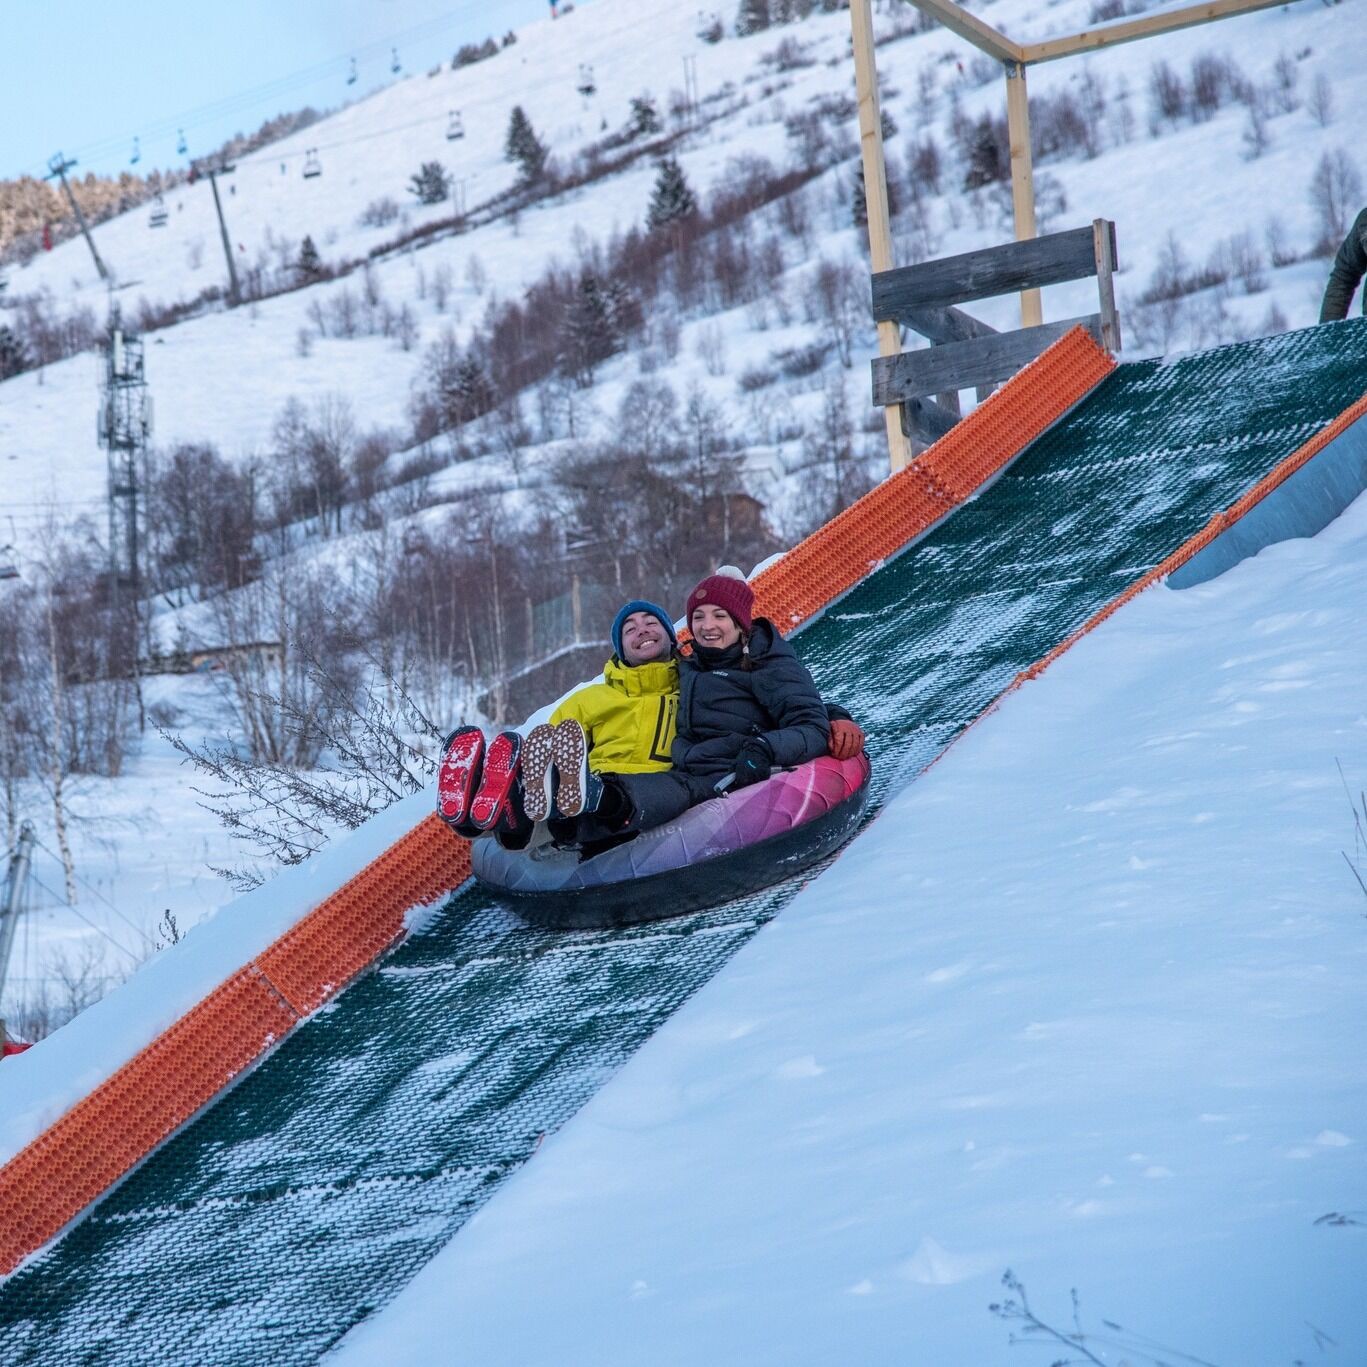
(645, 117)
(592, 327)
(466, 393)
(752, 17)
(431, 184)
(14, 356)
(310, 264)
(672, 199)
(523, 146)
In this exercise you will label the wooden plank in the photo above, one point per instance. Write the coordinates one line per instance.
(1103, 233)
(1108, 35)
(924, 420)
(1048, 260)
(946, 325)
(876, 194)
(960, 21)
(1022, 180)
(960, 365)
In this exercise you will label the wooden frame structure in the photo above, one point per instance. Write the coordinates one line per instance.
(1014, 57)
(966, 352)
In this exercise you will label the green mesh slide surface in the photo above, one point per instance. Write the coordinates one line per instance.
(307, 1196)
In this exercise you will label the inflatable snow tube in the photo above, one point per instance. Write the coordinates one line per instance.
(719, 850)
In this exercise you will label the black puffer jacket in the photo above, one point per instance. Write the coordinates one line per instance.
(721, 705)
(1350, 265)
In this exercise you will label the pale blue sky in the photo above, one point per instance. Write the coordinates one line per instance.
(86, 76)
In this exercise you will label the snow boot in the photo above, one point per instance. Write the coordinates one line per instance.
(570, 754)
(457, 776)
(537, 775)
(500, 774)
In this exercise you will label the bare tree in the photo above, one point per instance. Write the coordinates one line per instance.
(835, 300)
(1335, 195)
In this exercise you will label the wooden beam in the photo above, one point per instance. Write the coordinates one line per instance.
(1022, 179)
(1108, 35)
(959, 365)
(925, 420)
(911, 291)
(1103, 231)
(960, 21)
(876, 197)
(948, 324)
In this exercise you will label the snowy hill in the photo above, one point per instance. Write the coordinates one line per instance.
(224, 376)
(1084, 1004)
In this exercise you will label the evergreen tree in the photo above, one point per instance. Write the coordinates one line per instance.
(523, 146)
(431, 184)
(752, 17)
(592, 327)
(310, 264)
(645, 117)
(672, 199)
(14, 355)
(465, 392)
(859, 207)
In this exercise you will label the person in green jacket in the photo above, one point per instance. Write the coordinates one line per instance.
(1350, 265)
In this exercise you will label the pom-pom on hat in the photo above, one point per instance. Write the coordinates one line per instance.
(727, 590)
(640, 605)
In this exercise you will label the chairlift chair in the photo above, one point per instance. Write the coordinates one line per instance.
(587, 85)
(9, 563)
(351, 75)
(455, 128)
(182, 147)
(394, 64)
(312, 166)
(159, 214)
(137, 153)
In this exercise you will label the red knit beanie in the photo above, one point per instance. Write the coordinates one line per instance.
(727, 590)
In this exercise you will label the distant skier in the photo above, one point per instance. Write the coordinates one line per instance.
(1350, 265)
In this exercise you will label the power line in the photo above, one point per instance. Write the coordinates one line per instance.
(94, 891)
(98, 929)
(281, 85)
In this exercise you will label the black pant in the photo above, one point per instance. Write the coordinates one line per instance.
(633, 803)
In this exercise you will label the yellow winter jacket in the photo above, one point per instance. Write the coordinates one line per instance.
(629, 718)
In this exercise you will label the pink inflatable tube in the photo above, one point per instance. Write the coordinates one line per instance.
(719, 850)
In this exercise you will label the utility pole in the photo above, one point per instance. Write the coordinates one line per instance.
(15, 883)
(234, 290)
(59, 166)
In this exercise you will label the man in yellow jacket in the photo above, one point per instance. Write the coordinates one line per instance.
(628, 719)
(628, 723)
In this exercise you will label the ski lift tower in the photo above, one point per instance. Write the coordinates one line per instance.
(125, 428)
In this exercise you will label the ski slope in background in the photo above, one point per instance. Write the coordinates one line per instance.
(1084, 1002)
(225, 376)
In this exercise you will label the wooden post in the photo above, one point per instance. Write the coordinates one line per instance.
(1022, 178)
(876, 197)
(1103, 236)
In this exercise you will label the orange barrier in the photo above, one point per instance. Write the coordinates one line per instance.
(74, 1162)
(905, 506)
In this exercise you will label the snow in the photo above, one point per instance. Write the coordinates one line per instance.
(1084, 1002)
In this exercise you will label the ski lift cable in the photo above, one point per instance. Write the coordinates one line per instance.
(238, 102)
(94, 890)
(98, 929)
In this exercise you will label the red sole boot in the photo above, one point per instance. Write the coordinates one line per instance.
(500, 773)
(458, 774)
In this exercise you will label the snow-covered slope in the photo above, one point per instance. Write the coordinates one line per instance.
(224, 377)
(1085, 1003)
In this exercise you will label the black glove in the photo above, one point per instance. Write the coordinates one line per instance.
(754, 763)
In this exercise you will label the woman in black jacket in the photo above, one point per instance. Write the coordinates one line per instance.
(747, 705)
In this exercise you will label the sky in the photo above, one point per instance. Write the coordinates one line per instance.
(86, 78)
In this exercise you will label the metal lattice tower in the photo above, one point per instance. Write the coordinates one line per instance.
(125, 428)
